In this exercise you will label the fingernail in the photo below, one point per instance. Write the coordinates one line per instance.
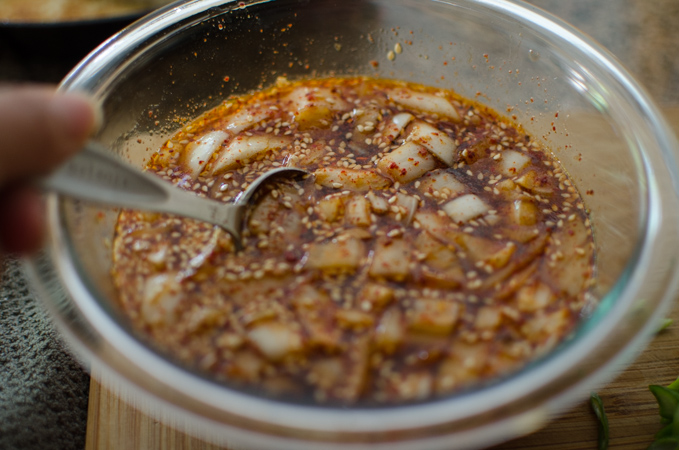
(75, 115)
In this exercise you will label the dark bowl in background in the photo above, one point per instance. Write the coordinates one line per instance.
(46, 52)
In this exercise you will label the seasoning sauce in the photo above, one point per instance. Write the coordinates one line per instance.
(433, 247)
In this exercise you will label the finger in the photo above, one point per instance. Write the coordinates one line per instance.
(23, 220)
(40, 129)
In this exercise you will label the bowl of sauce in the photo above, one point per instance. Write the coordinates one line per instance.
(486, 229)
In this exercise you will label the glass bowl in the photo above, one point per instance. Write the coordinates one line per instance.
(562, 88)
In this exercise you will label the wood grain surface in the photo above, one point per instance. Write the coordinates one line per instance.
(632, 410)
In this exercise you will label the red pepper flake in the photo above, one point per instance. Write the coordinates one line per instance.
(374, 63)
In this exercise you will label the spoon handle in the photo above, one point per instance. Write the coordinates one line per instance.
(96, 175)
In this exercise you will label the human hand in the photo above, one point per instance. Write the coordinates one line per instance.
(38, 130)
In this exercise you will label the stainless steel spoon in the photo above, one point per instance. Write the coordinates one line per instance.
(96, 175)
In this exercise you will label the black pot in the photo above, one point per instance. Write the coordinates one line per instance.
(46, 52)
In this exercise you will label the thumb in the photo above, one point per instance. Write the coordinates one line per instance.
(39, 129)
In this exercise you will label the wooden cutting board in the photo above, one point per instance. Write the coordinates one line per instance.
(631, 408)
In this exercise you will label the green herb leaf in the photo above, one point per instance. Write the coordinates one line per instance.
(674, 386)
(668, 401)
(668, 405)
(665, 432)
(671, 443)
(598, 407)
(664, 324)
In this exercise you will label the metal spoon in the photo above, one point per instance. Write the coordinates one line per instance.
(94, 174)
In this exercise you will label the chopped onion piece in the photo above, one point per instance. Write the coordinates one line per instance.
(545, 325)
(336, 255)
(375, 295)
(512, 162)
(535, 184)
(352, 318)
(465, 208)
(199, 152)
(330, 208)
(244, 148)
(488, 318)
(379, 204)
(358, 211)
(246, 118)
(441, 227)
(275, 339)
(356, 180)
(316, 312)
(391, 259)
(490, 251)
(524, 212)
(433, 316)
(413, 386)
(425, 102)
(398, 123)
(410, 203)
(436, 141)
(259, 220)
(162, 294)
(357, 233)
(407, 163)
(304, 157)
(390, 330)
(572, 271)
(365, 121)
(314, 106)
(534, 297)
(441, 180)
(434, 253)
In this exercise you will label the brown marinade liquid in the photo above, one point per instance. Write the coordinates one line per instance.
(435, 246)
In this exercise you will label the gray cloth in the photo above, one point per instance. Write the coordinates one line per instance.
(43, 392)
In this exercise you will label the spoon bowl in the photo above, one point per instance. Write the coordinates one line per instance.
(96, 175)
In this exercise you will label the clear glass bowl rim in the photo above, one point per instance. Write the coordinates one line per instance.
(113, 57)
